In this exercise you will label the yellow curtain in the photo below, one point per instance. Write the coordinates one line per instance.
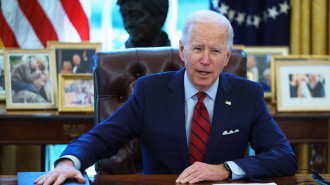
(310, 27)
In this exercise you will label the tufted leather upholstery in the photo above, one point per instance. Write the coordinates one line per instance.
(115, 74)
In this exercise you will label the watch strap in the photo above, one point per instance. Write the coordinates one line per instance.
(229, 170)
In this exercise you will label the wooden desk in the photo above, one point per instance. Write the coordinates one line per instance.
(170, 179)
(43, 128)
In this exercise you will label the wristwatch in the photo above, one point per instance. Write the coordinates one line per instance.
(229, 170)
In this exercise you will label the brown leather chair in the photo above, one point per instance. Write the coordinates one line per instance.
(115, 74)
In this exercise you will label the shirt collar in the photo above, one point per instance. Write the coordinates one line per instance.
(190, 90)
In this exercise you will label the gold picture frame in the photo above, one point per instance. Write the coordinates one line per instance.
(301, 86)
(74, 57)
(30, 79)
(290, 58)
(2, 77)
(239, 46)
(259, 62)
(76, 93)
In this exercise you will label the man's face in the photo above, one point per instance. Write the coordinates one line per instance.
(76, 59)
(139, 23)
(205, 54)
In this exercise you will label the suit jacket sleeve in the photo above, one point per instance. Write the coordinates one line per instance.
(274, 155)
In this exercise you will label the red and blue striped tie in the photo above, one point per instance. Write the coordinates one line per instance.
(200, 130)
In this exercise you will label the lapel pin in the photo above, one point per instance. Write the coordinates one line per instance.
(228, 102)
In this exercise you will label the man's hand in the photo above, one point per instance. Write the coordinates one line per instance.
(203, 172)
(64, 170)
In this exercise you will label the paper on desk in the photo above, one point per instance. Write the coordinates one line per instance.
(271, 183)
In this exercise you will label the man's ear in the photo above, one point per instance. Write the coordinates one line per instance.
(228, 56)
(181, 47)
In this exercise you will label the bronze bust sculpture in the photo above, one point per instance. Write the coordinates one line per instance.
(143, 20)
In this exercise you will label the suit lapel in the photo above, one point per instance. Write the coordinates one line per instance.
(175, 106)
(221, 116)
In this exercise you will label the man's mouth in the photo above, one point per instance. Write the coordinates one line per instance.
(204, 72)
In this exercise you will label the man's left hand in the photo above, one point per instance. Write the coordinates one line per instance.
(203, 172)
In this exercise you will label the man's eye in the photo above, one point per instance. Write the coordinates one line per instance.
(197, 48)
(216, 51)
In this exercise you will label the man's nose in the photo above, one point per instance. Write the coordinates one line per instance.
(206, 58)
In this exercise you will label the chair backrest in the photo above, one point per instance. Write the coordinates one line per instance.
(115, 74)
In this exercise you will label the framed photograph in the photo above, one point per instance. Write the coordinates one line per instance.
(30, 79)
(2, 77)
(76, 93)
(291, 58)
(259, 62)
(302, 86)
(74, 57)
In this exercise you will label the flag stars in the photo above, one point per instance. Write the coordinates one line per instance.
(249, 20)
(272, 12)
(231, 14)
(224, 8)
(240, 18)
(284, 7)
(256, 21)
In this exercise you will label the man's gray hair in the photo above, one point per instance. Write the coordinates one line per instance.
(207, 16)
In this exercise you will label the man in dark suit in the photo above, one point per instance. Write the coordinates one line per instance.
(80, 66)
(163, 114)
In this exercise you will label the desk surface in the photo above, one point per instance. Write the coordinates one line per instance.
(170, 179)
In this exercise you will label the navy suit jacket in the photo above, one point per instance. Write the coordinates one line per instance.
(155, 114)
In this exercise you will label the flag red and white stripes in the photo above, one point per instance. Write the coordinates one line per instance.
(31, 23)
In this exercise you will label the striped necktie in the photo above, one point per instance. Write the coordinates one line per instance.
(200, 130)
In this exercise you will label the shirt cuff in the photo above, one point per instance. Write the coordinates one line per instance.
(74, 159)
(237, 172)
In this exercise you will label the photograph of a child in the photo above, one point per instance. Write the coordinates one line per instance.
(307, 85)
(78, 93)
(74, 60)
(30, 80)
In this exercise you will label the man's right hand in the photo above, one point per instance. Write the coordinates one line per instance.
(64, 170)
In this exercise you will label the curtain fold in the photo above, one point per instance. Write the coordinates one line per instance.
(295, 27)
(319, 27)
(310, 27)
(305, 27)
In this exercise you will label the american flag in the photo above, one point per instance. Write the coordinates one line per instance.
(257, 22)
(31, 23)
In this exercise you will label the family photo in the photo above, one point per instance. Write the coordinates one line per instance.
(304, 85)
(30, 79)
(74, 60)
(78, 93)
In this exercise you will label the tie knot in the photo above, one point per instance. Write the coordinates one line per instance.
(201, 96)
